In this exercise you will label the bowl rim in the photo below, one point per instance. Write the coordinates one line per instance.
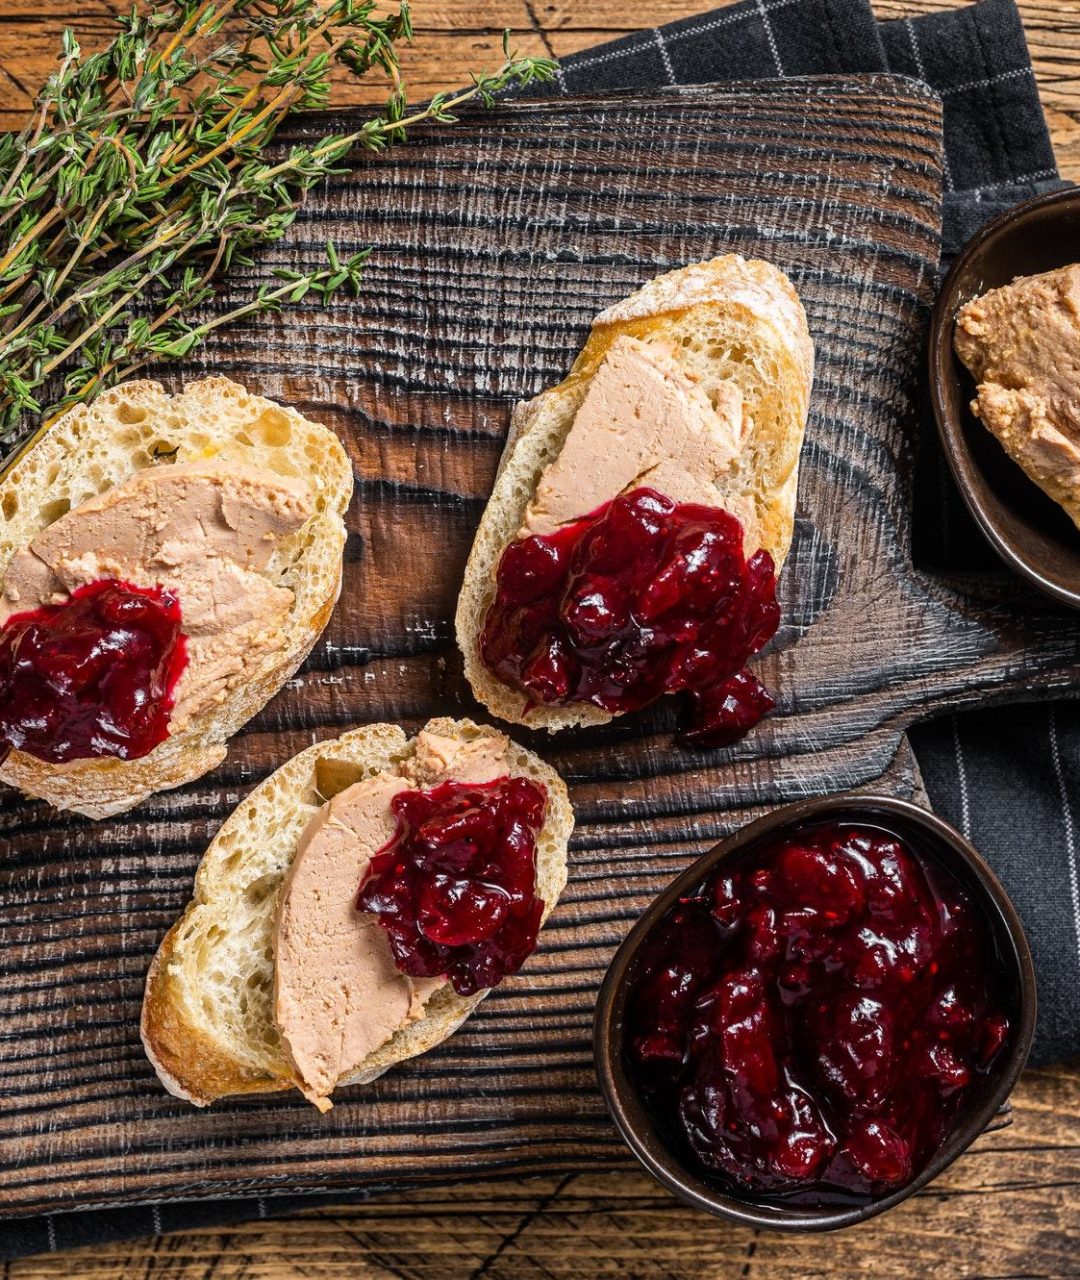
(629, 1114)
(942, 369)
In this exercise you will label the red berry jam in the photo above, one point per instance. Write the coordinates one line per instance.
(93, 676)
(643, 597)
(811, 1021)
(455, 888)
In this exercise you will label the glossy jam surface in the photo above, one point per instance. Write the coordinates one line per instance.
(93, 676)
(811, 1021)
(641, 598)
(455, 888)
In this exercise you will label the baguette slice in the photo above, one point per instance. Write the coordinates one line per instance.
(207, 1019)
(91, 450)
(731, 318)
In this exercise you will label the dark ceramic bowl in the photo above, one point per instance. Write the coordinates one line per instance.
(1016, 982)
(1030, 532)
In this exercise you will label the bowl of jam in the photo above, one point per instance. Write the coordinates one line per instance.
(818, 1016)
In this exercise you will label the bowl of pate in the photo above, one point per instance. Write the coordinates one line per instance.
(1005, 387)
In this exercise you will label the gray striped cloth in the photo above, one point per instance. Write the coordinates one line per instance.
(1014, 803)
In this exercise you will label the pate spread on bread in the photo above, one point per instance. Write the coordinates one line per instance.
(338, 995)
(644, 420)
(274, 978)
(229, 503)
(695, 388)
(206, 532)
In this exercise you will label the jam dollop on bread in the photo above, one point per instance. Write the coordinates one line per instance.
(809, 1024)
(93, 676)
(643, 509)
(455, 888)
(95, 662)
(640, 598)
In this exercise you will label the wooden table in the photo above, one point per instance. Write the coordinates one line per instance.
(1010, 1208)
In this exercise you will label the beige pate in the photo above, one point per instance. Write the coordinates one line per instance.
(1021, 343)
(338, 995)
(645, 421)
(205, 531)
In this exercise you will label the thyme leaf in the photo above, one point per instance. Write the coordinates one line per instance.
(144, 174)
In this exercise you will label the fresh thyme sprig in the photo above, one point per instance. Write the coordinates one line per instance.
(143, 174)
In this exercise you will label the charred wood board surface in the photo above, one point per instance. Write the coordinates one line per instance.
(495, 243)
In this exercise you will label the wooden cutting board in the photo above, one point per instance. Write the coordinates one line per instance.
(495, 243)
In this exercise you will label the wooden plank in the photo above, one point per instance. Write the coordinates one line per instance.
(1009, 1208)
(455, 37)
(572, 201)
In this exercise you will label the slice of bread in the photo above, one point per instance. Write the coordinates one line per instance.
(730, 318)
(136, 425)
(207, 1021)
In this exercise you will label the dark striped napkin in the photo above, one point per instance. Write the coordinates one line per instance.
(1014, 803)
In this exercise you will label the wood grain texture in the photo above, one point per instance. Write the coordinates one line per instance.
(455, 37)
(1007, 1211)
(571, 199)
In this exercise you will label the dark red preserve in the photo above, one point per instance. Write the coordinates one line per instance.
(812, 1020)
(93, 676)
(643, 597)
(455, 888)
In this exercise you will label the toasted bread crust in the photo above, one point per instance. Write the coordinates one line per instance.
(188, 1062)
(115, 437)
(746, 302)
